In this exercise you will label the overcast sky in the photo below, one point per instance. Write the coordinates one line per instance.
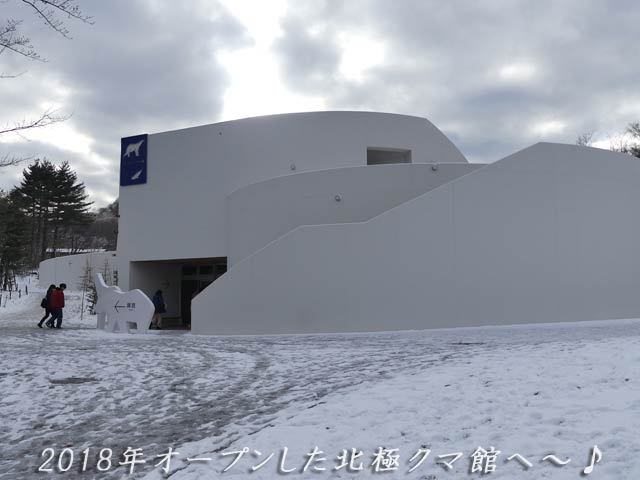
(493, 75)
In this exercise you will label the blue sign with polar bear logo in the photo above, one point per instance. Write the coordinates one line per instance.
(133, 160)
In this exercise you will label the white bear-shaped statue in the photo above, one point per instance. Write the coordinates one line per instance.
(119, 311)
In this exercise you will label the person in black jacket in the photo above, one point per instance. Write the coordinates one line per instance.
(46, 302)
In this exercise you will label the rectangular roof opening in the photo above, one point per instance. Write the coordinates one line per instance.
(383, 156)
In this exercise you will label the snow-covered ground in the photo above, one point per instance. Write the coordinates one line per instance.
(555, 389)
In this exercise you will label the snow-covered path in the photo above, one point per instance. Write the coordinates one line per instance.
(551, 388)
(166, 388)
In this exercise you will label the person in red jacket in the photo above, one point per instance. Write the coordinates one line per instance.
(57, 304)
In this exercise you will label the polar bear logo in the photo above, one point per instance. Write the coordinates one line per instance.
(133, 148)
(119, 311)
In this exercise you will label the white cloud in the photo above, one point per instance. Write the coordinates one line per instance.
(61, 135)
(257, 89)
(359, 53)
(255, 83)
(548, 128)
(519, 72)
(260, 18)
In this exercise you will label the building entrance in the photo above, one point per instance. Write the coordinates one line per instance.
(194, 279)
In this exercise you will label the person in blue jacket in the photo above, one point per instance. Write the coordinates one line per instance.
(160, 308)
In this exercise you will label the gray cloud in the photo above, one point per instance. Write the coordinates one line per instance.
(309, 61)
(151, 65)
(143, 67)
(443, 61)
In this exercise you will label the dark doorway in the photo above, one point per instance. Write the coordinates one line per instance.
(195, 278)
(188, 289)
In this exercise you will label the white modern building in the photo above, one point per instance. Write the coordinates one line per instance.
(354, 221)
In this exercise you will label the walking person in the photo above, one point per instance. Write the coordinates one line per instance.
(46, 304)
(57, 304)
(160, 308)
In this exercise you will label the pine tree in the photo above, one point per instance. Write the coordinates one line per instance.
(33, 196)
(13, 239)
(54, 201)
(68, 203)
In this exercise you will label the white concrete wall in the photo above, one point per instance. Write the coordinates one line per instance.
(181, 211)
(150, 277)
(548, 234)
(70, 268)
(264, 211)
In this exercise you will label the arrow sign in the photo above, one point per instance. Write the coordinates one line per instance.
(117, 306)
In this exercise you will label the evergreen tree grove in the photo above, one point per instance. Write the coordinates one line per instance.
(13, 238)
(52, 200)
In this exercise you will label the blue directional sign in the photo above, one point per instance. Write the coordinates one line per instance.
(133, 160)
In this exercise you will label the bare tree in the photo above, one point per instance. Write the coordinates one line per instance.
(633, 129)
(585, 139)
(54, 13)
(619, 143)
(626, 142)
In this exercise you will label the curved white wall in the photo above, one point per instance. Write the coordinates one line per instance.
(70, 268)
(547, 234)
(181, 211)
(262, 212)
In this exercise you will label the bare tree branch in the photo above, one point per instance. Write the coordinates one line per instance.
(49, 117)
(633, 129)
(619, 143)
(9, 160)
(2, 75)
(11, 40)
(49, 9)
